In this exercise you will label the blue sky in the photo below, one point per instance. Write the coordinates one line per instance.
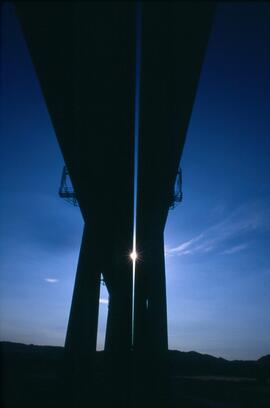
(216, 241)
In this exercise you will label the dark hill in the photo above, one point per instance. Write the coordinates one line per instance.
(34, 376)
(193, 363)
(180, 363)
(7, 347)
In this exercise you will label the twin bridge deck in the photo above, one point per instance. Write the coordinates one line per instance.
(84, 54)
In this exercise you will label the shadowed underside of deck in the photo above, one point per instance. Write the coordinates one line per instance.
(84, 56)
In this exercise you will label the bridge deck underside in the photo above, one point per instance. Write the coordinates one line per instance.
(84, 55)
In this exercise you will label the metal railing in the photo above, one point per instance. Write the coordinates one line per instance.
(66, 190)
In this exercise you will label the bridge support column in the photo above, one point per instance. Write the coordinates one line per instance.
(150, 326)
(119, 329)
(81, 338)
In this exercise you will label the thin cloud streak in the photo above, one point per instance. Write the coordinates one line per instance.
(234, 249)
(182, 248)
(51, 280)
(244, 219)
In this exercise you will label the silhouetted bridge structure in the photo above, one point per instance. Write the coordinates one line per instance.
(84, 54)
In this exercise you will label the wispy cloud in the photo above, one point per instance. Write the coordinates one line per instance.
(247, 218)
(234, 249)
(104, 301)
(183, 248)
(51, 280)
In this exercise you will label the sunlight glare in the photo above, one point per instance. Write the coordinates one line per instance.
(133, 255)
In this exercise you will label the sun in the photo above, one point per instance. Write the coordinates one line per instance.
(133, 255)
